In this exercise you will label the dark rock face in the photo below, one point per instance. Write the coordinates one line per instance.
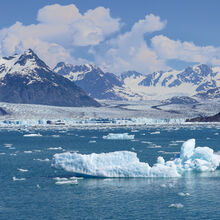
(3, 112)
(151, 79)
(130, 73)
(36, 83)
(214, 118)
(209, 94)
(91, 79)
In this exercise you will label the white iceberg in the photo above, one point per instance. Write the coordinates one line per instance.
(119, 136)
(127, 164)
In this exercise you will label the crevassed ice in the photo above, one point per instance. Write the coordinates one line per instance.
(127, 164)
(119, 136)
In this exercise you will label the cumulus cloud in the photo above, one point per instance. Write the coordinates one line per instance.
(167, 49)
(130, 50)
(60, 29)
(63, 31)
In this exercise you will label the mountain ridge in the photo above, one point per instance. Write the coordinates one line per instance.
(27, 79)
(132, 85)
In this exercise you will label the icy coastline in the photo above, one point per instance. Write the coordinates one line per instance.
(88, 122)
(127, 164)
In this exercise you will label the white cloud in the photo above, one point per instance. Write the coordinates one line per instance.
(62, 31)
(167, 49)
(57, 14)
(60, 27)
(130, 51)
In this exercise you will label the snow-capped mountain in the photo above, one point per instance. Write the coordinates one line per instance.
(161, 84)
(26, 78)
(92, 79)
(132, 85)
(201, 76)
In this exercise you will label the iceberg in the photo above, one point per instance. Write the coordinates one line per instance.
(119, 136)
(127, 164)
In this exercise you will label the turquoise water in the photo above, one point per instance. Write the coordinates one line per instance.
(194, 196)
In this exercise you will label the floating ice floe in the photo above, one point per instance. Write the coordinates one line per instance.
(32, 135)
(155, 132)
(28, 152)
(43, 160)
(127, 164)
(22, 170)
(183, 194)
(61, 181)
(8, 145)
(176, 205)
(92, 141)
(55, 148)
(119, 136)
(18, 179)
(55, 136)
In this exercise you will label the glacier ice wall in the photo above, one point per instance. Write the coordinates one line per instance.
(127, 164)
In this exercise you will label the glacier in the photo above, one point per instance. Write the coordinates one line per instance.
(119, 136)
(127, 164)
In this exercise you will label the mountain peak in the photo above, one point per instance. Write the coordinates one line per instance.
(29, 58)
(29, 52)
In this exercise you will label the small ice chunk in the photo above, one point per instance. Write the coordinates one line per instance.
(55, 136)
(28, 152)
(176, 205)
(183, 194)
(55, 148)
(43, 160)
(155, 132)
(32, 135)
(8, 145)
(119, 136)
(92, 141)
(71, 182)
(22, 170)
(18, 179)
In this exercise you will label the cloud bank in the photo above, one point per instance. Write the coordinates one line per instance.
(62, 32)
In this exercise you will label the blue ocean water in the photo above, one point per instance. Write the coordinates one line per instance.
(194, 196)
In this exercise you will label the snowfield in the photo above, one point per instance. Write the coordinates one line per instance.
(127, 164)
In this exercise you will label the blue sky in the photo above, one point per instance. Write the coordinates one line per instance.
(144, 35)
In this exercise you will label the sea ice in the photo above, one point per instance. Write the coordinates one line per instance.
(22, 170)
(127, 164)
(32, 135)
(119, 136)
(28, 152)
(55, 148)
(155, 132)
(183, 194)
(43, 160)
(61, 181)
(176, 205)
(18, 179)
